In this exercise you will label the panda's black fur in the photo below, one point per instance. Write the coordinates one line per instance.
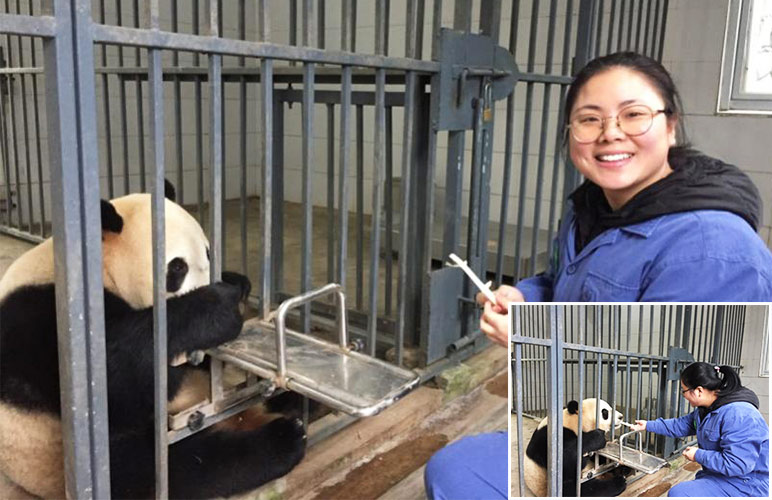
(536, 457)
(212, 463)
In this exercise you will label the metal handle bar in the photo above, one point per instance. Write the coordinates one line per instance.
(300, 300)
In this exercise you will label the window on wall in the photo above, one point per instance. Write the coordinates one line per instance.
(746, 72)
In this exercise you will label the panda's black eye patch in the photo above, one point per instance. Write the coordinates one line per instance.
(175, 274)
(604, 414)
(207, 254)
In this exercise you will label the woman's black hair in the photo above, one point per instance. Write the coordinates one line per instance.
(650, 69)
(712, 377)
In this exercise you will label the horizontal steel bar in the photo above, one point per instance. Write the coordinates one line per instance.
(604, 350)
(118, 35)
(12, 24)
(22, 235)
(333, 97)
(519, 339)
(542, 78)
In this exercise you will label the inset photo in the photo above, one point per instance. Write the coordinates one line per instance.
(671, 400)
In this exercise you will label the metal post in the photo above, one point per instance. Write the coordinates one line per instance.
(71, 116)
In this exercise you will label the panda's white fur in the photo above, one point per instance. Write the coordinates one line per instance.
(535, 475)
(31, 442)
(127, 258)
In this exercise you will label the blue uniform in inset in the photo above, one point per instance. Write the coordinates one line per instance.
(472, 468)
(695, 256)
(733, 450)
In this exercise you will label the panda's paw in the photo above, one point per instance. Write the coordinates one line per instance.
(288, 436)
(240, 281)
(617, 485)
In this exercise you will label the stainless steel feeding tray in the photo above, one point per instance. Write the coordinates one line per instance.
(632, 457)
(332, 374)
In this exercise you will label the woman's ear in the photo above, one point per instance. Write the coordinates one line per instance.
(672, 125)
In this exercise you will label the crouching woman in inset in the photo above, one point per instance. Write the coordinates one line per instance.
(732, 437)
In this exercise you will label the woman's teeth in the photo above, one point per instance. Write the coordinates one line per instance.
(616, 157)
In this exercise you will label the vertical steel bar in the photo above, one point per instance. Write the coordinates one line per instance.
(508, 142)
(160, 358)
(266, 193)
(277, 200)
(25, 130)
(199, 139)
(178, 112)
(124, 118)
(621, 25)
(13, 130)
(309, 34)
(519, 406)
(243, 145)
(321, 24)
(543, 137)
(414, 29)
(5, 82)
(599, 27)
(526, 144)
(612, 17)
(344, 159)
(360, 204)
(639, 25)
(105, 107)
(215, 150)
(662, 29)
(379, 168)
(655, 29)
(71, 117)
(348, 26)
(490, 17)
(631, 13)
(411, 84)
(36, 111)
(646, 38)
(330, 192)
(582, 311)
(389, 209)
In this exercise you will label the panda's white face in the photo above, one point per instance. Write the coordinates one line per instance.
(128, 254)
(608, 417)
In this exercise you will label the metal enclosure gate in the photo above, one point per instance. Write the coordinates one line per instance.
(630, 356)
(398, 156)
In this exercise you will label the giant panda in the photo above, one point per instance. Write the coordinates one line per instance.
(536, 457)
(218, 461)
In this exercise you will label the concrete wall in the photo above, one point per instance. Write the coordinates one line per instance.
(757, 327)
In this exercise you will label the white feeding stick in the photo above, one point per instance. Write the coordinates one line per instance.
(485, 288)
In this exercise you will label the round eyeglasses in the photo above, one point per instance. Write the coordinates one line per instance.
(633, 120)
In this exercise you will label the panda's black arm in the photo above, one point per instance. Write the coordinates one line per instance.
(200, 319)
(593, 440)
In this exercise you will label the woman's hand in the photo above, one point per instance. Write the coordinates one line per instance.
(495, 324)
(505, 295)
(689, 452)
(640, 425)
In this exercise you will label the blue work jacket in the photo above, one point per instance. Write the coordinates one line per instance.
(697, 256)
(733, 443)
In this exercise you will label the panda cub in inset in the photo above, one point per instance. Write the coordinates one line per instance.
(592, 440)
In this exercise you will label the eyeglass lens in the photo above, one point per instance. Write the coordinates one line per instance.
(632, 120)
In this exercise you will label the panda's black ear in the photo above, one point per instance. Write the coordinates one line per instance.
(111, 220)
(573, 407)
(169, 190)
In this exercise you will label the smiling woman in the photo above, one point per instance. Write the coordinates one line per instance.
(654, 219)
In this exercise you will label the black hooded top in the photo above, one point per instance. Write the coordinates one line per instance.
(741, 394)
(698, 182)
